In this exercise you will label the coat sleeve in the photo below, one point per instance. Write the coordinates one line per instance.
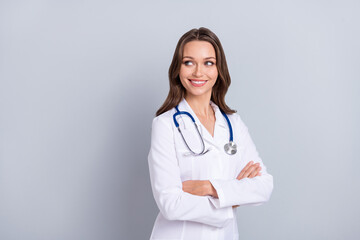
(173, 202)
(247, 191)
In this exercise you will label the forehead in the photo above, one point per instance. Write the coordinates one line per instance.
(199, 49)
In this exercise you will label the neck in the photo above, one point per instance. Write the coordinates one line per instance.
(200, 105)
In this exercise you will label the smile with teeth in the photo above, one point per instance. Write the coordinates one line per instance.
(197, 83)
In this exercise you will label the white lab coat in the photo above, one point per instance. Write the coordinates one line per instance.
(185, 216)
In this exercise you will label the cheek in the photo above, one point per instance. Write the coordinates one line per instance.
(184, 74)
(183, 78)
(214, 74)
(185, 71)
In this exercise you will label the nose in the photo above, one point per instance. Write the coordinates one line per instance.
(198, 71)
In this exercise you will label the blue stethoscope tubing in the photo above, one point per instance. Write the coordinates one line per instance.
(230, 147)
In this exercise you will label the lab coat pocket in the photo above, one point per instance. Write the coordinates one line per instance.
(193, 167)
(185, 158)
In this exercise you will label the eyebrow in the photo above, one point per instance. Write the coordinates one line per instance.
(193, 58)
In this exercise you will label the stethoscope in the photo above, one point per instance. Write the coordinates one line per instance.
(230, 147)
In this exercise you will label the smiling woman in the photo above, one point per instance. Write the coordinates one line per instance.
(214, 51)
(198, 72)
(199, 176)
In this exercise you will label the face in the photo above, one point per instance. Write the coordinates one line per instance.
(198, 71)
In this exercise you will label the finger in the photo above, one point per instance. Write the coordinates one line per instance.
(250, 169)
(244, 171)
(241, 174)
(258, 172)
(254, 172)
(246, 167)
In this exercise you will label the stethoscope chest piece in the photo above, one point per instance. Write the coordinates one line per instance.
(230, 148)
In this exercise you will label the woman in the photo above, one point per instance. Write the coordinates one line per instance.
(197, 182)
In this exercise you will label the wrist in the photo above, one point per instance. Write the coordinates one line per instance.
(210, 189)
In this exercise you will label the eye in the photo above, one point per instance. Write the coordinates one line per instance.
(188, 63)
(209, 63)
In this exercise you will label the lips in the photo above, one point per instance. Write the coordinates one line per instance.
(197, 82)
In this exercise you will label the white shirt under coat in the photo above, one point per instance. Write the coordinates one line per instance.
(185, 216)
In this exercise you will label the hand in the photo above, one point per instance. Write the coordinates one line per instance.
(249, 171)
(197, 187)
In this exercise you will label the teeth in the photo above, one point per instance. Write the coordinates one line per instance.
(198, 82)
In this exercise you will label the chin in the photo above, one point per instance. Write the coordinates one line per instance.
(196, 93)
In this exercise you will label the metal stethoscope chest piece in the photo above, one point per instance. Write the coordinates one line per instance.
(230, 147)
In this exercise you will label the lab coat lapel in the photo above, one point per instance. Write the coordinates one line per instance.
(185, 120)
(184, 106)
(188, 129)
(220, 130)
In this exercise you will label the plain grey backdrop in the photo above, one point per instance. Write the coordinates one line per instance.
(80, 82)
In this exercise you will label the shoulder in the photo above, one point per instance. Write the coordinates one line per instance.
(236, 119)
(164, 120)
(162, 136)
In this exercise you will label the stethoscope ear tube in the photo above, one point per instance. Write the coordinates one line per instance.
(202, 141)
(179, 113)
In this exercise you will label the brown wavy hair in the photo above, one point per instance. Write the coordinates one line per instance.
(177, 91)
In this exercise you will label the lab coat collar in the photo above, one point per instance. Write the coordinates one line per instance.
(220, 129)
(220, 120)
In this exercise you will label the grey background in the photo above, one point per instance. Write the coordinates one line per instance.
(81, 81)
